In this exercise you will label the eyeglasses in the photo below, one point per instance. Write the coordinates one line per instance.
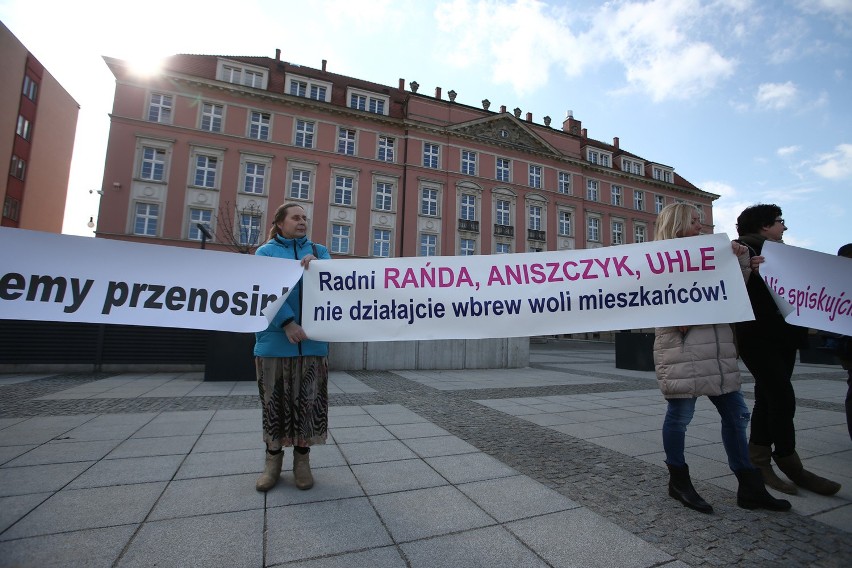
(779, 220)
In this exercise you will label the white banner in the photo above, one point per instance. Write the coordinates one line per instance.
(812, 289)
(674, 282)
(49, 277)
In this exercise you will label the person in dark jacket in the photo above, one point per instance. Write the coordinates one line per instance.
(768, 346)
(292, 369)
(844, 353)
(701, 360)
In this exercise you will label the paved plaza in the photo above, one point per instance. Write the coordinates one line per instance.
(559, 464)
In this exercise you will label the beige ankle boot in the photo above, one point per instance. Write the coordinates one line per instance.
(761, 457)
(302, 470)
(792, 467)
(271, 472)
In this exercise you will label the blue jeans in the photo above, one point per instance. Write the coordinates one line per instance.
(735, 416)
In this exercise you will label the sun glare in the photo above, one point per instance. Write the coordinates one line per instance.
(145, 66)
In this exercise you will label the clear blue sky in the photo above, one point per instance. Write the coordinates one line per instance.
(748, 99)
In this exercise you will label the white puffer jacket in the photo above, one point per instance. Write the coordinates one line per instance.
(702, 361)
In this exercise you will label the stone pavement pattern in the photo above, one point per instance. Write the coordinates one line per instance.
(559, 464)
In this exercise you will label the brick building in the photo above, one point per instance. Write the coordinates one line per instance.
(382, 171)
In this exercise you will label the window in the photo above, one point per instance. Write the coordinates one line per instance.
(305, 134)
(429, 202)
(503, 217)
(384, 196)
(205, 171)
(564, 183)
(369, 102)
(662, 175)
(309, 88)
(381, 243)
(387, 148)
(535, 176)
(503, 169)
(468, 163)
(430, 155)
(30, 88)
(211, 117)
(638, 200)
(234, 72)
(564, 227)
(346, 141)
(160, 108)
(203, 216)
(535, 218)
(300, 183)
(639, 234)
(467, 247)
(340, 238)
(594, 229)
(617, 233)
(153, 165)
(467, 210)
(616, 194)
(19, 167)
(11, 208)
(259, 125)
(597, 157)
(659, 203)
(24, 128)
(592, 190)
(145, 219)
(503, 248)
(428, 245)
(343, 186)
(249, 228)
(631, 166)
(255, 178)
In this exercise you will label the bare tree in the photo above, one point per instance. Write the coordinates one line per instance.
(233, 234)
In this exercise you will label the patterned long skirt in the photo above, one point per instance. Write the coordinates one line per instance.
(294, 397)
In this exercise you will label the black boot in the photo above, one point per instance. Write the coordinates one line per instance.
(752, 493)
(680, 487)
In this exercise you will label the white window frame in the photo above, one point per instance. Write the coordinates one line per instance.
(502, 248)
(428, 244)
(160, 108)
(344, 190)
(249, 160)
(638, 200)
(592, 193)
(564, 223)
(147, 217)
(617, 195)
(305, 131)
(430, 199)
(341, 236)
(239, 73)
(249, 227)
(157, 151)
(312, 88)
(535, 212)
(214, 115)
(593, 229)
(467, 207)
(467, 247)
(631, 166)
(640, 233)
(193, 233)
(382, 243)
(659, 203)
(535, 172)
(386, 149)
(367, 101)
(260, 123)
(503, 171)
(598, 157)
(383, 194)
(662, 174)
(205, 166)
(468, 162)
(346, 138)
(503, 212)
(617, 232)
(301, 184)
(431, 155)
(24, 128)
(30, 89)
(564, 183)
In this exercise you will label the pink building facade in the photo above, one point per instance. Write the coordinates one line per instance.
(382, 171)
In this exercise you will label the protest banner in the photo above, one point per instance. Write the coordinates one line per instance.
(684, 281)
(812, 289)
(49, 277)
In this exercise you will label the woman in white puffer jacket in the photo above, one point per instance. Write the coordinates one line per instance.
(697, 360)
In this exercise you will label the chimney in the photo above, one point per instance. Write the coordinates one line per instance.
(502, 108)
(437, 92)
(401, 84)
(323, 64)
(277, 55)
(585, 133)
(529, 117)
(615, 142)
(571, 125)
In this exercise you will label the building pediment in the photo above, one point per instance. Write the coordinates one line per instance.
(504, 130)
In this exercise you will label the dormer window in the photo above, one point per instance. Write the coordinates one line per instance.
(598, 157)
(367, 101)
(632, 166)
(241, 74)
(663, 174)
(308, 88)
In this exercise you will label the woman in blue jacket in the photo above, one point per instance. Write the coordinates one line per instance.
(292, 370)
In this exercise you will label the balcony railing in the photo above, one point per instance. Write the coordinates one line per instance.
(504, 230)
(466, 225)
(534, 235)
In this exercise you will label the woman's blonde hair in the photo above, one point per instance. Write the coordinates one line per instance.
(673, 220)
(280, 215)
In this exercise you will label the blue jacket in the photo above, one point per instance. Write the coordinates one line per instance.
(273, 342)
